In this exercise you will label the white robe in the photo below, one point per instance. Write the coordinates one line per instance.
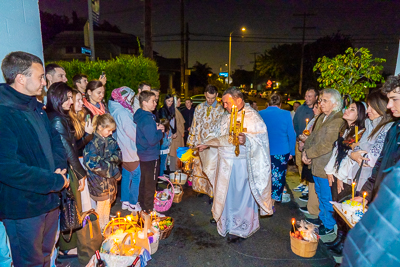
(220, 169)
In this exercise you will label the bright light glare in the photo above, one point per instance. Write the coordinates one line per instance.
(243, 29)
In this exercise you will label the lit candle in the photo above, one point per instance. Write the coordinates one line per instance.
(352, 190)
(356, 134)
(364, 195)
(242, 121)
(232, 114)
(235, 119)
(306, 123)
(293, 221)
(118, 214)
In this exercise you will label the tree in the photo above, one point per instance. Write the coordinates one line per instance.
(199, 75)
(351, 73)
(240, 77)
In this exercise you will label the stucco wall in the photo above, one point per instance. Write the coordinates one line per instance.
(20, 28)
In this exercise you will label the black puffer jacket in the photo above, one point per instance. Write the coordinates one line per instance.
(63, 126)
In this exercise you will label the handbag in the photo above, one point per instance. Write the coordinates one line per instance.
(356, 178)
(70, 217)
(89, 237)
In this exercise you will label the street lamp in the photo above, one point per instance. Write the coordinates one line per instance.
(230, 54)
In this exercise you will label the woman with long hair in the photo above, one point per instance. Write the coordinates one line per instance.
(59, 102)
(370, 145)
(94, 97)
(82, 126)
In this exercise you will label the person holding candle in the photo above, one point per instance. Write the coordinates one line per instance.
(282, 138)
(236, 204)
(206, 116)
(339, 170)
(317, 152)
(390, 153)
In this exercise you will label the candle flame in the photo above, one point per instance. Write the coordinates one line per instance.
(293, 221)
(365, 194)
(354, 183)
(129, 218)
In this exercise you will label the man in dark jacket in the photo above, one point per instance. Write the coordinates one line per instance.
(375, 240)
(32, 163)
(187, 114)
(390, 153)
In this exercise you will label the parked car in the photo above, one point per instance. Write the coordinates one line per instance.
(198, 99)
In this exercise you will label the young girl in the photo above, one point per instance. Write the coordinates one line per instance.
(102, 157)
(165, 144)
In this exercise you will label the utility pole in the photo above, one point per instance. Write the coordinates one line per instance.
(91, 34)
(148, 36)
(304, 15)
(182, 48)
(187, 71)
(255, 68)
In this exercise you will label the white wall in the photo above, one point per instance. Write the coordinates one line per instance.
(20, 28)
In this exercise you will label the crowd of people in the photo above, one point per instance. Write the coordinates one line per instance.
(56, 137)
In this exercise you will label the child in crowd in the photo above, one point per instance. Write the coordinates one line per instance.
(165, 144)
(102, 157)
(148, 137)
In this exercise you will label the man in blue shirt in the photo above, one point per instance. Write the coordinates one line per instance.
(303, 112)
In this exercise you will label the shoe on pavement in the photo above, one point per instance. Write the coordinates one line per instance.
(305, 191)
(304, 210)
(285, 198)
(325, 231)
(125, 205)
(317, 222)
(304, 198)
(213, 221)
(299, 188)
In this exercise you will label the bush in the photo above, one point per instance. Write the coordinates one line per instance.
(124, 70)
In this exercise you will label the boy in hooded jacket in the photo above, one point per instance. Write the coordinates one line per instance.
(148, 137)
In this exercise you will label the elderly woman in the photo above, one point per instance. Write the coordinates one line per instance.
(282, 140)
(317, 152)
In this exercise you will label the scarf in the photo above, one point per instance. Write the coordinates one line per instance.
(122, 96)
(95, 111)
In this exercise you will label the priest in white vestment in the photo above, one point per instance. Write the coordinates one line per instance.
(241, 184)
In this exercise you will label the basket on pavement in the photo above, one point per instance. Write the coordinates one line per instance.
(303, 248)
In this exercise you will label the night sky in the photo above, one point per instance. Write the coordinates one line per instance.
(371, 24)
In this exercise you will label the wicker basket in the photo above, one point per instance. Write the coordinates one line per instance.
(303, 248)
(164, 205)
(177, 197)
(165, 233)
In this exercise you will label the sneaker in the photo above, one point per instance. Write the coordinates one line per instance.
(285, 198)
(125, 205)
(304, 198)
(299, 188)
(317, 222)
(133, 208)
(305, 191)
(138, 208)
(304, 210)
(325, 231)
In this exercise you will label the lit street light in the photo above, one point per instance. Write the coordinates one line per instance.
(230, 54)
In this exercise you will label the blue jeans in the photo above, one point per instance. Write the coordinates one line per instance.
(323, 191)
(5, 256)
(163, 163)
(130, 186)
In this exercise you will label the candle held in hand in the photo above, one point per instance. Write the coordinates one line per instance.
(364, 195)
(242, 121)
(356, 129)
(352, 190)
(306, 123)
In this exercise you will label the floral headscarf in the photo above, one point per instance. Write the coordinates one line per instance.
(125, 96)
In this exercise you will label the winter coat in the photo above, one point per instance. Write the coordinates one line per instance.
(180, 132)
(389, 156)
(147, 136)
(375, 240)
(28, 185)
(319, 145)
(102, 157)
(126, 131)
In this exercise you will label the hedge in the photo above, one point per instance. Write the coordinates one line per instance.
(125, 70)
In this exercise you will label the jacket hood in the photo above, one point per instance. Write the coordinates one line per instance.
(11, 98)
(114, 106)
(140, 114)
